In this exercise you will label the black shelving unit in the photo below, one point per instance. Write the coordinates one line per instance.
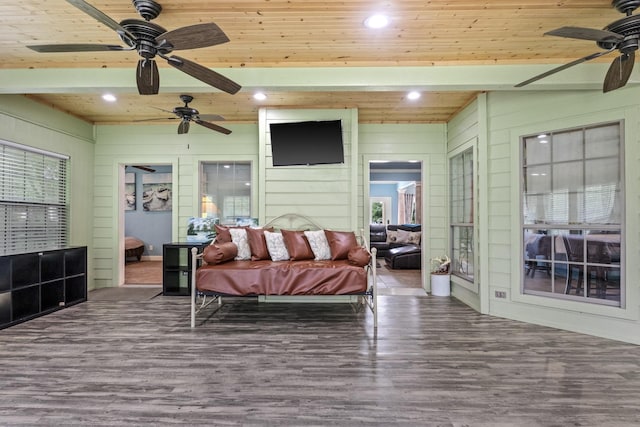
(176, 267)
(36, 283)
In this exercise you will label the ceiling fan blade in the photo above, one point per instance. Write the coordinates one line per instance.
(52, 48)
(156, 119)
(564, 67)
(204, 74)
(211, 117)
(144, 168)
(213, 127)
(166, 111)
(147, 77)
(586, 34)
(100, 17)
(193, 37)
(619, 72)
(183, 127)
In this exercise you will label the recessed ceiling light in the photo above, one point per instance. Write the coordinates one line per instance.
(259, 96)
(109, 97)
(413, 95)
(376, 21)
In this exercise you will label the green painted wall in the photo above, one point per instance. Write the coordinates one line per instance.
(426, 143)
(510, 115)
(118, 146)
(463, 132)
(324, 193)
(26, 122)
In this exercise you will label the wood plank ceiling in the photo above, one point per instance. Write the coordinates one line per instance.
(296, 36)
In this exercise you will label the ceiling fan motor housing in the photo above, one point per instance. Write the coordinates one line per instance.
(629, 27)
(148, 9)
(145, 34)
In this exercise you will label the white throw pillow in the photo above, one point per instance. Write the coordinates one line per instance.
(412, 237)
(240, 239)
(276, 247)
(319, 244)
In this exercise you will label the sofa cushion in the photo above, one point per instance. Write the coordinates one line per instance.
(218, 253)
(377, 233)
(222, 234)
(258, 243)
(409, 237)
(358, 256)
(297, 245)
(404, 257)
(275, 245)
(319, 244)
(340, 242)
(239, 237)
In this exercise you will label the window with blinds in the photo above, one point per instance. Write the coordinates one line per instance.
(33, 203)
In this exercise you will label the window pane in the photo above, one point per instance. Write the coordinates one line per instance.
(537, 150)
(602, 171)
(567, 146)
(568, 176)
(226, 191)
(462, 250)
(538, 179)
(602, 141)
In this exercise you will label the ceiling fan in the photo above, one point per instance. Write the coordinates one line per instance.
(622, 35)
(149, 40)
(186, 115)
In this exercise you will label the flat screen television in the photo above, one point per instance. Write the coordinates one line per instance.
(307, 143)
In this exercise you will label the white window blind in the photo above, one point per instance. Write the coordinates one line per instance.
(33, 207)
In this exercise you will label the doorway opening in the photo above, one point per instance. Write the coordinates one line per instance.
(147, 203)
(395, 224)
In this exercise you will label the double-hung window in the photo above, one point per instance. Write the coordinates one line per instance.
(572, 214)
(33, 199)
(461, 221)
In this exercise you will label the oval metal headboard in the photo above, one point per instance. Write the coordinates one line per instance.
(293, 221)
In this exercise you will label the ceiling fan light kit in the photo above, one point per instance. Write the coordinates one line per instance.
(622, 35)
(151, 40)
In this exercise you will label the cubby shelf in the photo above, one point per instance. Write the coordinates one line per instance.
(37, 283)
(176, 267)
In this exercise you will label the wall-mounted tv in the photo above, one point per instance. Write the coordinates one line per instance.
(307, 143)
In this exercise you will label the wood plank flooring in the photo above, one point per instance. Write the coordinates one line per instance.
(433, 361)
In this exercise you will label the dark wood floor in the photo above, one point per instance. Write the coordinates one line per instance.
(119, 360)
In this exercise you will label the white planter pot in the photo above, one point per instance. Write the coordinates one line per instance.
(440, 285)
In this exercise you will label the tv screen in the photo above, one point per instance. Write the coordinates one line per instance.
(307, 143)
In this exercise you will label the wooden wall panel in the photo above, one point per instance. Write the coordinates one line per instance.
(321, 192)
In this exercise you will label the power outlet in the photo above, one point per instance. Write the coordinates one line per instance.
(501, 294)
(150, 247)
